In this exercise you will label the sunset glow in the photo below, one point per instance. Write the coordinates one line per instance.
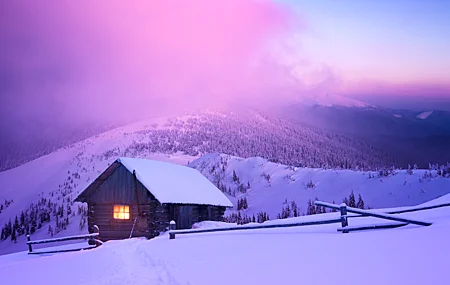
(96, 57)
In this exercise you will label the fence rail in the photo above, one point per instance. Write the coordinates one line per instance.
(343, 219)
(174, 232)
(92, 241)
(373, 214)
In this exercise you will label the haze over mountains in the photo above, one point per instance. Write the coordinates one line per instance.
(414, 136)
(382, 136)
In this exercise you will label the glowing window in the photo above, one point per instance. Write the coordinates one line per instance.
(121, 212)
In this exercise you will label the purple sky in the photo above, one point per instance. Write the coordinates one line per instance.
(93, 60)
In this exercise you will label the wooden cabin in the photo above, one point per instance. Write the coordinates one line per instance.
(139, 197)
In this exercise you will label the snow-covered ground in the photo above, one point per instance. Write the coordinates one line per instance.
(288, 183)
(303, 255)
(59, 177)
(424, 115)
(43, 178)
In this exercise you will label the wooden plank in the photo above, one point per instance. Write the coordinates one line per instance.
(63, 238)
(371, 227)
(62, 251)
(375, 214)
(122, 233)
(238, 228)
(416, 209)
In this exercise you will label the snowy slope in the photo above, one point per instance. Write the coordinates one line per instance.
(61, 175)
(288, 183)
(328, 100)
(424, 115)
(305, 255)
(49, 184)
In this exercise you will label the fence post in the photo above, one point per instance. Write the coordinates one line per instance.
(344, 220)
(92, 240)
(172, 226)
(29, 245)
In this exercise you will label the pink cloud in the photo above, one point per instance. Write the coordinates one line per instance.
(97, 56)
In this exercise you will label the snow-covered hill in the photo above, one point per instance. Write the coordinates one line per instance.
(40, 193)
(271, 186)
(311, 255)
(424, 115)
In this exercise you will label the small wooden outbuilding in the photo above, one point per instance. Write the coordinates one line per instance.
(139, 197)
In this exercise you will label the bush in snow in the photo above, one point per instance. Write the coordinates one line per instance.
(310, 184)
(242, 204)
(266, 176)
(313, 209)
(235, 177)
(242, 219)
(291, 210)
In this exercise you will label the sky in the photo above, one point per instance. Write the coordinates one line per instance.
(63, 62)
(401, 47)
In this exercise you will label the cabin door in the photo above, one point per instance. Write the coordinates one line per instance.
(184, 217)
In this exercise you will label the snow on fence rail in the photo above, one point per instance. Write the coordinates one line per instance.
(371, 213)
(93, 242)
(173, 231)
(386, 216)
(345, 228)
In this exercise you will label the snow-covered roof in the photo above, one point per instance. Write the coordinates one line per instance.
(175, 184)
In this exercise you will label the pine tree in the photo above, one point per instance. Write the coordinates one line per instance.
(16, 222)
(235, 178)
(352, 200)
(13, 234)
(22, 219)
(311, 208)
(294, 208)
(360, 204)
(50, 230)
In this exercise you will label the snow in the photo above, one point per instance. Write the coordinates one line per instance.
(24, 183)
(47, 176)
(172, 183)
(309, 255)
(424, 115)
(290, 183)
(329, 100)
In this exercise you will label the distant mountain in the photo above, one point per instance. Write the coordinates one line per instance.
(329, 100)
(25, 141)
(242, 132)
(415, 137)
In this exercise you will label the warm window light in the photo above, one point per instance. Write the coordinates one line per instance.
(121, 212)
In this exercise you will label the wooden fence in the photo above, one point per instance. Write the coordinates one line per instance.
(343, 220)
(400, 221)
(92, 241)
(173, 231)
